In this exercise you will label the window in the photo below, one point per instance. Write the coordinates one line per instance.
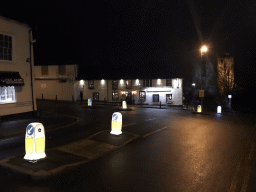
(5, 47)
(147, 83)
(169, 82)
(44, 70)
(142, 95)
(62, 69)
(90, 84)
(114, 84)
(96, 96)
(155, 97)
(128, 84)
(7, 94)
(168, 98)
(115, 96)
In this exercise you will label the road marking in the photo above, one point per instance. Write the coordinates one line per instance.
(154, 132)
(235, 179)
(152, 119)
(248, 170)
(129, 124)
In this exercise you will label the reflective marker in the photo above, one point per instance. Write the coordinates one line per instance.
(199, 109)
(219, 109)
(124, 105)
(89, 102)
(35, 142)
(116, 124)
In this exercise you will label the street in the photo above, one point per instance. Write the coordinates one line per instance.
(176, 151)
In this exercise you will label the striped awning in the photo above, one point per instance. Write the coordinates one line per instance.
(8, 78)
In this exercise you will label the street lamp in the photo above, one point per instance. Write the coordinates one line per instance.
(203, 50)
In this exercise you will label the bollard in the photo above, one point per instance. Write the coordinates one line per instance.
(89, 102)
(124, 105)
(35, 142)
(199, 109)
(219, 109)
(116, 124)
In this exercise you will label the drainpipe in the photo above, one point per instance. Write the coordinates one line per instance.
(31, 41)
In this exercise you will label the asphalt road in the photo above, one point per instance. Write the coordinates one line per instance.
(176, 151)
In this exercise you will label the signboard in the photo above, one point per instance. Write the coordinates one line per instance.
(201, 93)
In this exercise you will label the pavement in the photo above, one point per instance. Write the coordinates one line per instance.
(59, 159)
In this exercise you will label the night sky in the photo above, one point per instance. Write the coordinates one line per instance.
(140, 38)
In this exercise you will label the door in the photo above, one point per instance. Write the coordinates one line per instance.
(155, 98)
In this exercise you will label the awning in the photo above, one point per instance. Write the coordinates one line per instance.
(8, 78)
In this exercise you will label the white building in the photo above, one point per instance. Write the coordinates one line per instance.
(16, 68)
(58, 82)
(55, 82)
(134, 91)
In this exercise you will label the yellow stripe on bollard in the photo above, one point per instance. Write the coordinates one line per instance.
(40, 145)
(29, 146)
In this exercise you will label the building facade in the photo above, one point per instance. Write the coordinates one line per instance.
(55, 82)
(59, 82)
(16, 68)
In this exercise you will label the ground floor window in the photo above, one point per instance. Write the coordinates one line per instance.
(168, 98)
(7, 94)
(155, 97)
(114, 96)
(142, 95)
(96, 96)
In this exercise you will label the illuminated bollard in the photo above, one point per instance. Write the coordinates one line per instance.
(124, 105)
(219, 109)
(35, 142)
(116, 124)
(199, 109)
(89, 102)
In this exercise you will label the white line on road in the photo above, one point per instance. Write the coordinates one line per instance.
(129, 124)
(235, 179)
(154, 132)
(248, 171)
(153, 119)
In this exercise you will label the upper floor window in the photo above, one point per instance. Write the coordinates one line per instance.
(128, 84)
(147, 83)
(44, 70)
(62, 69)
(114, 84)
(5, 47)
(169, 82)
(90, 84)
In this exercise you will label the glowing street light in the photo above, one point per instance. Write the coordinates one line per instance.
(203, 50)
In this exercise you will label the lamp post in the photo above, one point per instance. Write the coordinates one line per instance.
(203, 50)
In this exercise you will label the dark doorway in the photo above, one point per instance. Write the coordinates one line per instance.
(155, 98)
(129, 98)
(95, 96)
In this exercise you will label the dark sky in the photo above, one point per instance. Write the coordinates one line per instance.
(137, 38)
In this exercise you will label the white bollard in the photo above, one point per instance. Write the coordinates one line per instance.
(116, 124)
(89, 102)
(219, 109)
(199, 109)
(35, 142)
(124, 105)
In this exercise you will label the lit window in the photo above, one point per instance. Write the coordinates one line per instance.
(7, 94)
(114, 96)
(5, 47)
(128, 84)
(142, 95)
(90, 84)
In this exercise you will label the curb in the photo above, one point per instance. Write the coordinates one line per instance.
(44, 175)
